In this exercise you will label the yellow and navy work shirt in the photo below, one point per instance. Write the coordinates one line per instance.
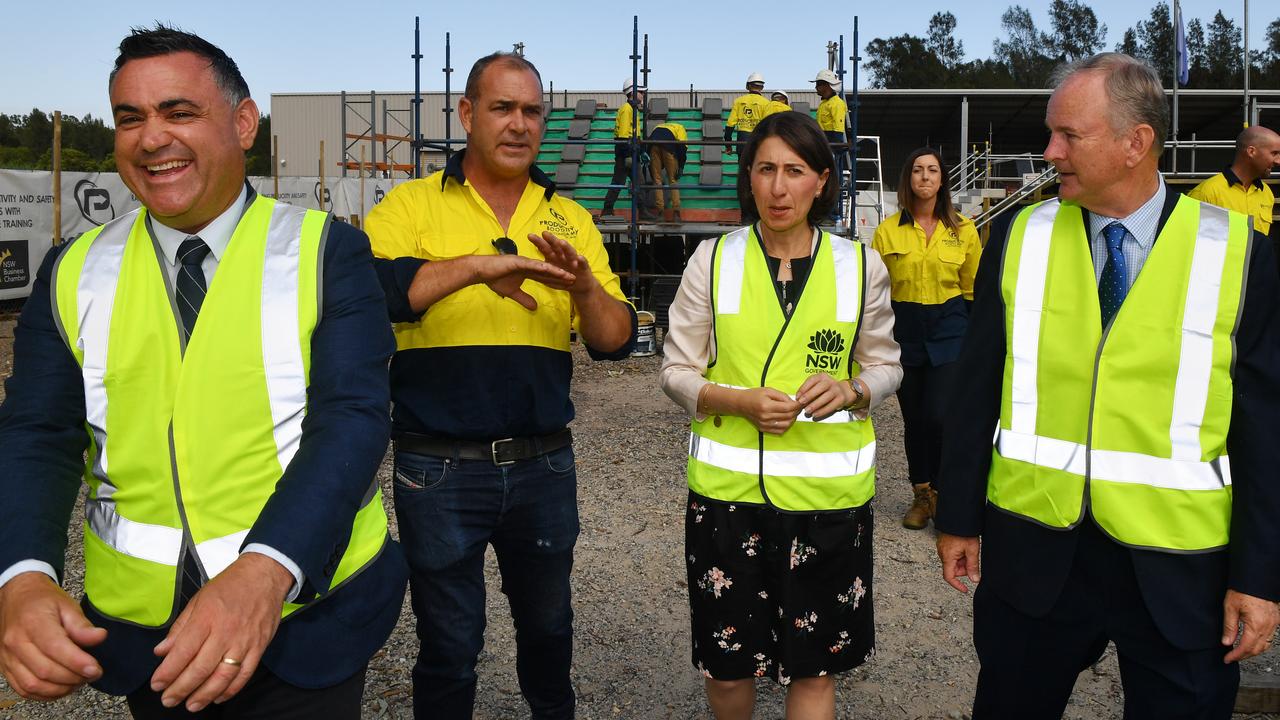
(1226, 190)
(931, 285)
(775, 106)
(747, 112)
(832, 114)
(476, 366)
(624, 123)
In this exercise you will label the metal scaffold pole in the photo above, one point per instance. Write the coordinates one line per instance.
(417, 100)
(448, 99)
(633, 229)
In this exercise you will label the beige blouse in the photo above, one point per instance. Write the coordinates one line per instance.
(690, 344)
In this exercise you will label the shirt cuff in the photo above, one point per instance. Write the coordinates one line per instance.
(26, 566)
(279, 557)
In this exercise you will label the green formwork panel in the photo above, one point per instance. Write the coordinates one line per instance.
(597, 165)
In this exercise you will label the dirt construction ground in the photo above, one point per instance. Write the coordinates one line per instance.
(632, 650)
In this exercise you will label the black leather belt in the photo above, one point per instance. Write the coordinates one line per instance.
(500, 452)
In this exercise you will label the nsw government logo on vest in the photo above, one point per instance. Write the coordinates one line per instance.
(826, 351)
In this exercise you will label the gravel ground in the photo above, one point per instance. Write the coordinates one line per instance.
(631, 654)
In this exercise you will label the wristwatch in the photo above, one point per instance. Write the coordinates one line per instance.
(858, 394)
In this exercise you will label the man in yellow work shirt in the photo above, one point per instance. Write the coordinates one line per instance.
(486, 270)
(1239, 187)
(668, 152)
(626, 125)
(746, 113)
(832, 113)
(779, 101)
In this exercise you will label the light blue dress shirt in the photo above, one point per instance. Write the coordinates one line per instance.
(1140, 234)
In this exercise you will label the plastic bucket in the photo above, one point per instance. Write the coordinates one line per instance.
(646, 335)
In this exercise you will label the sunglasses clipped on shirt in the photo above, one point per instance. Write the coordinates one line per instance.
(505, 246)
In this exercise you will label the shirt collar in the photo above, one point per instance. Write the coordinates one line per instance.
(1233, 179)
(217, 234)
(1141, 223)
(453, 169)
(906, 218)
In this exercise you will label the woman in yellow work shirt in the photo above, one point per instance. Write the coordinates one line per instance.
(932, 255)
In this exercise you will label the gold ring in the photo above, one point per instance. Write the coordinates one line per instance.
(231, 661)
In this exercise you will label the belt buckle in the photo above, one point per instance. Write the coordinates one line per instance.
(493, 451)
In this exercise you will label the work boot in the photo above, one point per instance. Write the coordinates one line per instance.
(675, 215)
(667, 214)
(922, 507)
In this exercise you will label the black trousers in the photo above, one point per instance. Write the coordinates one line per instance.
(621, 175)
(923, 398)
(1030, 665)
(265, 697)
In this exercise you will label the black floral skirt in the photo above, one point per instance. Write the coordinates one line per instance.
(781, 595)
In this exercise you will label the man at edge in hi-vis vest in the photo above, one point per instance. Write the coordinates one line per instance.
(1122, 350)
(213, 365)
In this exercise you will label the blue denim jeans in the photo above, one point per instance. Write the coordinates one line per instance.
(449, 511)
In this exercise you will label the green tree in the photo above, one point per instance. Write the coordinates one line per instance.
(1223, 53)
(37, 131)
(1021, 50)
(1196, 64)
(903, 61)
(1076, 31)
(1156, 43)
(1129, 44)
(258, 159)
(942, 40)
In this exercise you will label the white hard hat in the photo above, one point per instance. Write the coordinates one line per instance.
(783, 93)
(626, 87)
(827, 77)
(755, 77)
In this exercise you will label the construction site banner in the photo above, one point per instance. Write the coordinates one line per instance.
(91, 199)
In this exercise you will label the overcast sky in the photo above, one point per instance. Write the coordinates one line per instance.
(57, 57)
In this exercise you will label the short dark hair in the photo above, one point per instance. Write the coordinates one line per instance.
(802, 134)
(472, 90)
(165, 40)
(943, 209)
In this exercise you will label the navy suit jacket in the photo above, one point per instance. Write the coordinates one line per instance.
(308, 518)
(1027, 565)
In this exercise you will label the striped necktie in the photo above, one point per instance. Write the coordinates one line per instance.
(191, 286)
(1114, 284)
(190, 291)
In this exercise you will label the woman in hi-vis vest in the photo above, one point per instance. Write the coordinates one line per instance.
(781, 341)
(932, 254)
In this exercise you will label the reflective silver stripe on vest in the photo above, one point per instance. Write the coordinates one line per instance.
(156, 543)
(1028, 310)
(95, 299)
(281, 352)
(218, 553)
(839, 416)
(782, 463)
(1115, 465)
(1184, 470)
(848, 279)
(1200, 313)
(733, 262)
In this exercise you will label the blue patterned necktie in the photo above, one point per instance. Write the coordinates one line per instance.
(1115, 277)
(190, 288)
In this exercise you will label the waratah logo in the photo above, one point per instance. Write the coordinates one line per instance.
(828, 351)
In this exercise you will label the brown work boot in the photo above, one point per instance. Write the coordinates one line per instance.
(922, 507)
(675, 215)
(667, 215)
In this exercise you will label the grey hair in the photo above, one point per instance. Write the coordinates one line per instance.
(1135, 95)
